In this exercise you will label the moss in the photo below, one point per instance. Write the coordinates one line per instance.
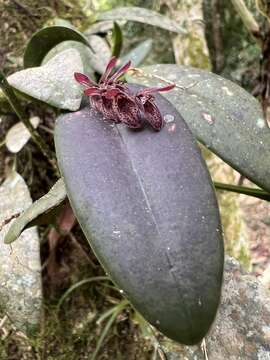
(236, 243)
(192, 51)
(235, 232)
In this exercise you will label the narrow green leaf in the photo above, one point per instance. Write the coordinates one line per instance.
(258, 193)
(77, 285)
(142, 15)
(45, 39)
(116, 310)
(222, 115)
(4, 104)
(45, 204)
(117, 40)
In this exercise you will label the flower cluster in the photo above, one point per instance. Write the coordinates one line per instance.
(114, 100)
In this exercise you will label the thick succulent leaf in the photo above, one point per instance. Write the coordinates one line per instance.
(52, 83)
(142, 15)
(43, 207)
(20, 267)
(145, 202)
(138, 54)
(84, 51)
(222, 115)
(47, 38)
(102, 53)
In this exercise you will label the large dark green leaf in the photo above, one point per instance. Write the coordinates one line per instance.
(146, 204)
(47, 38)
(142, 15)
(222, 115)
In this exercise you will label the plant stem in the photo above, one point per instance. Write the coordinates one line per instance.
(16, 106)
(247, 18)
(258, 193)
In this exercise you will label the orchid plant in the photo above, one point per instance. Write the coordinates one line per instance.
(174, 243)
(112, 98)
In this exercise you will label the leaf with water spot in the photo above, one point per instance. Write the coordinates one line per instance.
(102, 53)
(52, 83)
(142, 15)
(146, 204)
(84, 51)
(222, 115)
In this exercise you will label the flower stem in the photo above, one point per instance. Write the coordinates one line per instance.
(258, 193)
(18, 109)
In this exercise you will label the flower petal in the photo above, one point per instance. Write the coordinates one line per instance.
(108, 70)
(91, 91)
(83, 79)
(128, 111)
(120, 72)
(112, 93)
(155, 89)
(153, 115)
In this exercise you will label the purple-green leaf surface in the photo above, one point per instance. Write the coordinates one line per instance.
(146, 204)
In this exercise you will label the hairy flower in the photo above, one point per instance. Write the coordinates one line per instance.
(114, 100)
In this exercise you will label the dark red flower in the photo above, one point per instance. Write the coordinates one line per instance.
(113, 99)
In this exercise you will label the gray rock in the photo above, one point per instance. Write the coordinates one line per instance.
(20, 268)
(242, 327)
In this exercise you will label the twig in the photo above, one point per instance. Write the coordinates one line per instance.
(14, 102)
(140, 73)
(3, 320)
(247, 18)
(217, 36)
(204, 349)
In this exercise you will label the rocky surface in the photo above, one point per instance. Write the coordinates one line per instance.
(242, 327)
(20, 269)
